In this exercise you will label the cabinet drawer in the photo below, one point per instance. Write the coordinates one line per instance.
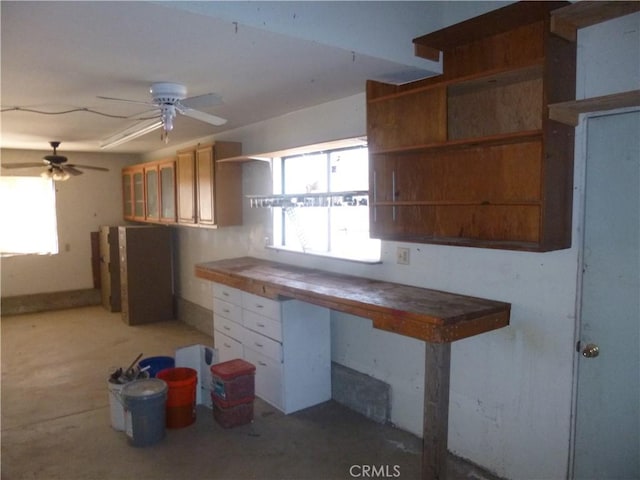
(268, 378)
(229, 294)
(228, 327)
(228, 348)
(227, 310)
(261, 344)
(263, 325)
(263, 306)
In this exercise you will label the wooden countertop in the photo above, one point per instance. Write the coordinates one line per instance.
(430, 315)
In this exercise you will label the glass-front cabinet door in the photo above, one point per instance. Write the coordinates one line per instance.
(127, 194)
(151, 193)
(167, 191)
(138, 194)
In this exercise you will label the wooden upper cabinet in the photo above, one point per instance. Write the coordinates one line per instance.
(470, 157)
(192, 189)
(186, 186)
(218, 185)
(133, 193)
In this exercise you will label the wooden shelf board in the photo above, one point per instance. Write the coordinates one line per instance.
(566, 21)
(453, 203)
(569, 112)
(486, 79)
(500, 139)
(491, 23)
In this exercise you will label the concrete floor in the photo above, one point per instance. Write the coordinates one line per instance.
(56, 423)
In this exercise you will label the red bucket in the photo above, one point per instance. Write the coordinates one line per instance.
(181, 397)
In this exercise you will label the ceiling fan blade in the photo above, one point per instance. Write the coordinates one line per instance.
(202, 116)
(22, 165)
(202, 101)
(134, 131)
(124, 100)
(87, 167)
(69, 169)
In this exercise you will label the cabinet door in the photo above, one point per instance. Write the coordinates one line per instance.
(205, 182)
(167, 192)
(185, 175)
(152, 208)
(127, 194)
(138, 194)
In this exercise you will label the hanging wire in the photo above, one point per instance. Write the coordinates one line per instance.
(62, 112)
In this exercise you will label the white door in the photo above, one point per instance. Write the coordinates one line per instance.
(608, 388)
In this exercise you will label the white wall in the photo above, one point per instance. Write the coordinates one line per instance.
(83, 204)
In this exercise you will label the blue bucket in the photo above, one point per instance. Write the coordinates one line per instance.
(156, 364)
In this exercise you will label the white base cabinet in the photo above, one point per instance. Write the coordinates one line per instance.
(288, 341)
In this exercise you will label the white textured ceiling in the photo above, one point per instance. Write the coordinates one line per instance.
(263, 58)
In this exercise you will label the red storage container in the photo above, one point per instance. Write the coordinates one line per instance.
(232, 414)
(232, 382)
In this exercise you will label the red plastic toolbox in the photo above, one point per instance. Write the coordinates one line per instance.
(233, 381)
(233, 414)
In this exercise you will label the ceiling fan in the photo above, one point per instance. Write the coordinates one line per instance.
(167, 99)
(56, 166)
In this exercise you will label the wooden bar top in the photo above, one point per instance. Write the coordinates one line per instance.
(430, 315)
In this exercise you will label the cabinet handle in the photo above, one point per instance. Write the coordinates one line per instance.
(393, 195)
(375, 197)
(226, 328)
(261, 325)
(227, 345)
(225, 310)
(258, 345)
(259, 306)
(261, 363)
(225, 294)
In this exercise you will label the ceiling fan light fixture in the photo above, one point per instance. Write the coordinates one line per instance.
(130, 133)
(55, 175)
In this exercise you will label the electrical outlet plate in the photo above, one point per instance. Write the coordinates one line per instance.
(402, 256)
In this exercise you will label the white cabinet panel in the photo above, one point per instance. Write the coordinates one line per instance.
(227, 310)
(269, 381)
(263, 306)
(262, 344)
(229, 328)
(228, 348)
(263, 325)
(228, 294)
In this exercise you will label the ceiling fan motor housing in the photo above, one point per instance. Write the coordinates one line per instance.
(166, 93)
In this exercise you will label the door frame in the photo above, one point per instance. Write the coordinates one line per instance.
(580, 175)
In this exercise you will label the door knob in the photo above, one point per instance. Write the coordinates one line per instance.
(591, 350)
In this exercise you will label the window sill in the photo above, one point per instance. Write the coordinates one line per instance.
(368, 261)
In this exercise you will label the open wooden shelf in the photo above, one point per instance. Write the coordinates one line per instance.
(566, 21)
(569, 112)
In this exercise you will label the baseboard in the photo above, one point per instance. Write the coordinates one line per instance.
(42, 302)
(195, 315)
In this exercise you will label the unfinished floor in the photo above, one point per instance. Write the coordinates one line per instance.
(56, 423)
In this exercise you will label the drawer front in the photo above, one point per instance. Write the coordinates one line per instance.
(229, 294)
(228, 348)
(268, 378)
(261, 344)
(229, 328)
(228, 310)
(263, 306)
(263, 325)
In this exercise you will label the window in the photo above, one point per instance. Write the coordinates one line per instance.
(323, 204)
(28, 216)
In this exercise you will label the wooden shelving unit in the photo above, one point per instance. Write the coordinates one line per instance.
(566, 22)
(471, 157)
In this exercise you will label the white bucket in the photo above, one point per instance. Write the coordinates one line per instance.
(116, 406)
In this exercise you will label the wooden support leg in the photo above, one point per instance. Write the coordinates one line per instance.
(436, 411)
